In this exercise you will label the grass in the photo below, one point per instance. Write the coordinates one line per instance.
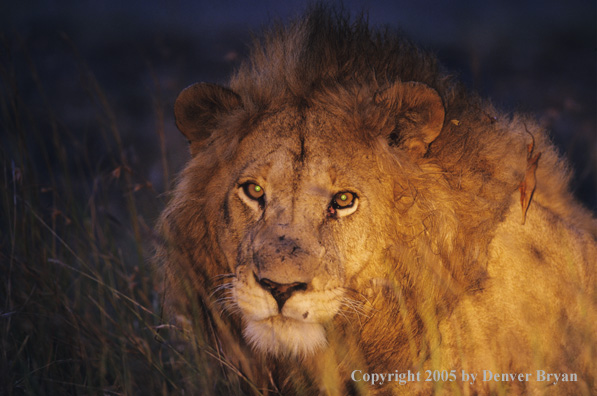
(79, 308)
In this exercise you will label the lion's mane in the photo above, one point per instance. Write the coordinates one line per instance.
(469, 280)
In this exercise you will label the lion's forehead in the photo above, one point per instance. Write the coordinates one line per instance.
(314, 147)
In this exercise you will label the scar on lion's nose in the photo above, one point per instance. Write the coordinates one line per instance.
(280, 292)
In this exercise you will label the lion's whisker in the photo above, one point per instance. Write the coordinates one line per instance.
(226, 287)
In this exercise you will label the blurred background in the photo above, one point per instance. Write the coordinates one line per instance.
(88, 149)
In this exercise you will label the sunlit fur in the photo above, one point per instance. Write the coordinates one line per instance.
(433, 270)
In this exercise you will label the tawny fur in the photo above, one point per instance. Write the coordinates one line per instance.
(433, 270)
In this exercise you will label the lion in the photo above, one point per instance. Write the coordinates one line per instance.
(353, 221)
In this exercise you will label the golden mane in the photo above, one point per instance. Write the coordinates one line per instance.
(444, 181)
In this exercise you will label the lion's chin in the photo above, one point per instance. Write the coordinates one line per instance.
(282, 336)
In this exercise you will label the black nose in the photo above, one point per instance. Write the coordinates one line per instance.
(280, 292)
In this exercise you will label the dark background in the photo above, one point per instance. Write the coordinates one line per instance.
(532, 56)
(88, 151)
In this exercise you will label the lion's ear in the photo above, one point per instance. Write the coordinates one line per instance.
(419, 115)
(198, 107)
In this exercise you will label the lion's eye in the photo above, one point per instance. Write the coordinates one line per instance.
(343, 203)
(253, 191)
(343, 200)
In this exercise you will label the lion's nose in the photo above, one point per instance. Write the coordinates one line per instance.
(280, 292)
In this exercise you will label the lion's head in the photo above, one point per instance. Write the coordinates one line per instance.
(300, 200)
(315, 189)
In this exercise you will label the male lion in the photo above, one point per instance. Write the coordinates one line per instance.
(352, 221)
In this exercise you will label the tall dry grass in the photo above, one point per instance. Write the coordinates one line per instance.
(79, 308)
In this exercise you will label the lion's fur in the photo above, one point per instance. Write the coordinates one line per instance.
(443, 274)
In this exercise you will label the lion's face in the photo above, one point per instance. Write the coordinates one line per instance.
(301, 209)
(301, 227)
